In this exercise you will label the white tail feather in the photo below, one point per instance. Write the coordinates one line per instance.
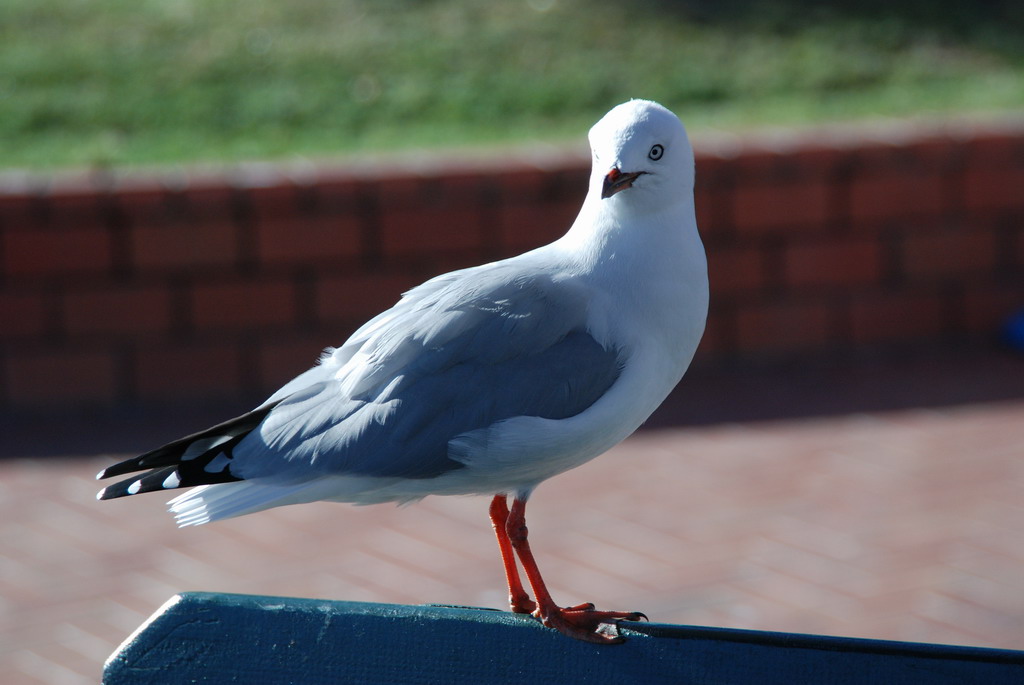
(207, 503)
(226, 500)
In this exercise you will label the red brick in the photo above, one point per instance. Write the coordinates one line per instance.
(74, 202)
(278, 362)
(759, 164)
(48, 253)
(197, 371)
(703, 199)
(940, 153)
(782, 327)
(275, 200)
(989, 150)
(151, 206)
(213, 200)
(459, 185)
(994, 189)
(144, 204)
(717, 338)
(896, 195)
(338, 195)
(411, 230)
(788, 205)
(819, 158)
(398, 189)
(60, 377)
(736, 270)
(443, 264)
(525, 226)
(184, 246)
(987, 306)
(16, 210)
(875, 156)
(244, 304)
(887, 317)
(307, 239)
(810, 159)
(712, 205)
(834, 263)
(710, 164)
(119, 311)
(949, 253)
(521, 183)
(1018, 257)
(570, 183)
(23, 314)
(354, 298)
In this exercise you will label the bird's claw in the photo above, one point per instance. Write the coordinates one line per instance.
(522, 605)
(584, 622)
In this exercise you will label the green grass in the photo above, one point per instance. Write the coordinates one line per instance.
(115, 82)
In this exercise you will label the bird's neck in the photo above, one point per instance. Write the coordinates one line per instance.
(612, 239)
(651, 268)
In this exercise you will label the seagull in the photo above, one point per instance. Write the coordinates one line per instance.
(486, 380)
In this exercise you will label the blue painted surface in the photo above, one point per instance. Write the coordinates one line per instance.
(219, 638)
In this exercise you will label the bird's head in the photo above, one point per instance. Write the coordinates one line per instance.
(641, 156)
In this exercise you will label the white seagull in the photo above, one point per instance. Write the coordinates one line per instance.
(486, 380)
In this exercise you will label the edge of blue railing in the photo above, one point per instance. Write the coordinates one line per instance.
(216, 638)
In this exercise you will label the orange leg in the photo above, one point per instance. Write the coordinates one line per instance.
(517, 597)
(582, 622)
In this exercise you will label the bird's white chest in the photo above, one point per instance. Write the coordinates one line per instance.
(655, 317)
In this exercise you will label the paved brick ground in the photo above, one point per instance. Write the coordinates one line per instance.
(899, 523)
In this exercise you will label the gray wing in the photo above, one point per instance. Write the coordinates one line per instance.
(460, 355)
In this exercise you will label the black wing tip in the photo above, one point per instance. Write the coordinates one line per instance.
(157, 480)
(113, 470)
(109, 493)
(152, 481)
(171, 454)
(121, 468)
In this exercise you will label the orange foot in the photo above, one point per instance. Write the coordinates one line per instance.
(584, 622)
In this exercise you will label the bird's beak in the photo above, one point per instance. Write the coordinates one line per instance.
(616, 181)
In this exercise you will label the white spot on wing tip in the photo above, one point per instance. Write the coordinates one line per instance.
(99, 495)
(172, 481)
(134, 488)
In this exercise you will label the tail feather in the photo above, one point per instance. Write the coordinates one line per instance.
(227, 500)
(199, 459)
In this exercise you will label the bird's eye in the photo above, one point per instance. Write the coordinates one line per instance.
(656, 152)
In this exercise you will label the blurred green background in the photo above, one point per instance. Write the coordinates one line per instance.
(115, 82)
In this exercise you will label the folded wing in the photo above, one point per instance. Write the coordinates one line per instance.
(459, 353)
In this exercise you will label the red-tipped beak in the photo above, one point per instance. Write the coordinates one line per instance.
(616, 181)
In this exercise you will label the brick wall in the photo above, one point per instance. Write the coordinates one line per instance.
(178, 285)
